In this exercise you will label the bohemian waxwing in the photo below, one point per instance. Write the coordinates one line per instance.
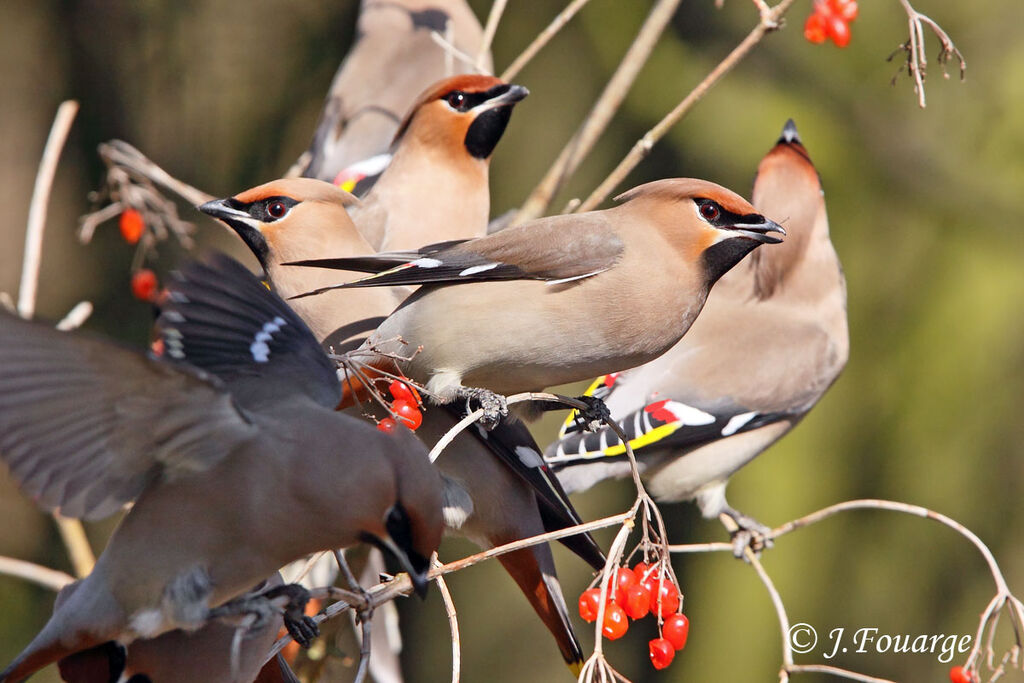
(497, 487)
(392, 60)
(436, 187)
(711, 404)
(232, 476)
(563, 298)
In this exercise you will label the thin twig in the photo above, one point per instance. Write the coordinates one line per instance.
(37, 207)
(497, 9)
(542, 39)
(77, 544)
(643, 146)
(917, 59)
(37, 574)
(600, 115)
(453, 623)
(76, 317)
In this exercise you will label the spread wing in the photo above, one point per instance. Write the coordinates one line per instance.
(86, 425)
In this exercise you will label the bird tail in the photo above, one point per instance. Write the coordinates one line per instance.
(533, 570)
(46, 648)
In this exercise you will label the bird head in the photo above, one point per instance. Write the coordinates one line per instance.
(467, 112)
(707, 223)
(285, 219)
(412, 527)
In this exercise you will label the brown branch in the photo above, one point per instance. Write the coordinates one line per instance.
(542, 39)
(917, 61)
(453, 623)
(643, 146)
(597, 120)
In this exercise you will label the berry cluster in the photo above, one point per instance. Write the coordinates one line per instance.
(404, 407)
(831, 19)
(633, 594)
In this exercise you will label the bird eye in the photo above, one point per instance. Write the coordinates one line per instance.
(709, 211)
(456, 99)
(276, 209)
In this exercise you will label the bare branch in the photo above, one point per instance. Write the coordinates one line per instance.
(597, 120)
(542, 39)
(77, 544)
(37, 574)
(76, 317)
(497, 9)
(643, 146)
(37, 207)
(917, 60)
(453, 623)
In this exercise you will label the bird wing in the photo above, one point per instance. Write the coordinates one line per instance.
(658, 424)
(220, 318)
(557, 250)
(512, 442)
(86, 425)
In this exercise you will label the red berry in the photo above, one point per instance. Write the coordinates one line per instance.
(816, 28)
(637, 602)
(847, 9)
(959, 674)
(838, 31)
(669, 595)
(675, 630)
(401, 391)
(615, 623)
(132, 225)
(144, 284)
(661, 653)
(589, 601)
(620, 582)
(409, 414)
(387, 425)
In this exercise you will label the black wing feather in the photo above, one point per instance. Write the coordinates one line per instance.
(220, 318)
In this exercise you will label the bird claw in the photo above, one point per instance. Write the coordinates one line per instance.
(749, 534)
(594, 416)
(291, 599)
(288, 600)
(495, 406)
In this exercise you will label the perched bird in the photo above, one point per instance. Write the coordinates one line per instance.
(183, 655)
(232, 476)
(436, 186)
(497, 487)
(392, 59)
(770, 341)
(296, 218)
(563, 298)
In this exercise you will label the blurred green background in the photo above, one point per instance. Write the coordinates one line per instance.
(925, 211)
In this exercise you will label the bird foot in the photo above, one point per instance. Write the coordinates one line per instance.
(746, 532)
(594, 416)
(291, 599)
(288, 600)
(495, 406)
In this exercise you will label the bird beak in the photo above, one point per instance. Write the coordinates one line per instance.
(415, 564)
(513, 94)
(757, 229)
(223, 210)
